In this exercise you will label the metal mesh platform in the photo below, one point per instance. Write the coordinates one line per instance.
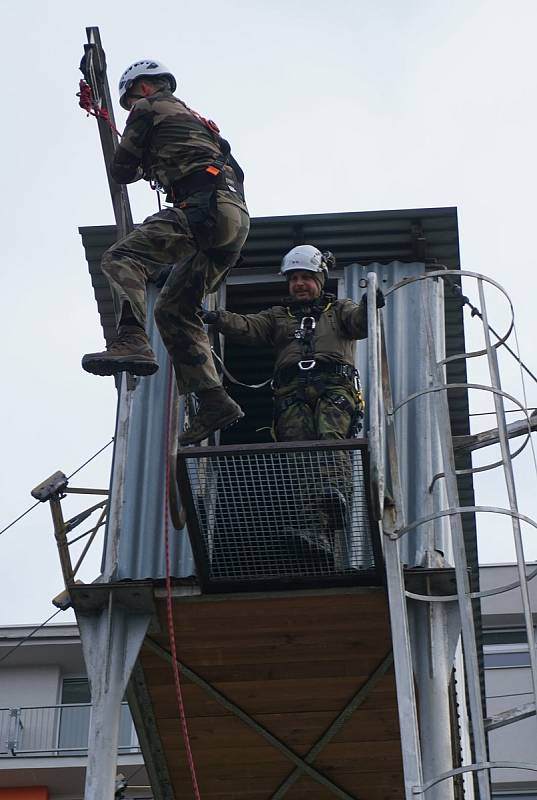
(279, 514)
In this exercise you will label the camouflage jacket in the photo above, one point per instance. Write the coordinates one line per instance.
(164, 141)
(339, 324)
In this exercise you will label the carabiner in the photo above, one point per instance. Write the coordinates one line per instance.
(312, 322)
(307, 364)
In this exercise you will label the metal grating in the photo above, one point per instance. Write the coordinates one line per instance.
(278, 513)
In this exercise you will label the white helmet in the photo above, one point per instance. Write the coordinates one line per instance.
(309, 258)
(142, 69)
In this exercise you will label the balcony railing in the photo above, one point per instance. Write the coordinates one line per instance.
(60, 730)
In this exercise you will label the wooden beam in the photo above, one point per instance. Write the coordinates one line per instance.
(252, 723)
(339, 721)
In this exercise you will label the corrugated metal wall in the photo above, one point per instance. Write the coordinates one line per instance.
(418, 443)
(141, 543)
(141, 551)
(388, 242)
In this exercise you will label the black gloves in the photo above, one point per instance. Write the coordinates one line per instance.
(210, 317)
(381, 301)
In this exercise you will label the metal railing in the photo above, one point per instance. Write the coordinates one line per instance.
(277, 514)
(60, 730)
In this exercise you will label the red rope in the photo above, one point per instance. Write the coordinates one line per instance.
(87, 102)
(169, 604)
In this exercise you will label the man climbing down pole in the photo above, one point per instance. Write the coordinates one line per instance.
(172, 146)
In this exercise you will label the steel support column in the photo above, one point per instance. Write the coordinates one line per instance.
(435, 633)
(460, 560)
(393, 518)
(111, 640)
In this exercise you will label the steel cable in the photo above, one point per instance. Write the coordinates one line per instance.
(38, 502)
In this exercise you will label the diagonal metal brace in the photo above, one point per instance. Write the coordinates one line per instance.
(250, 721)
(338, 723)
(510, 716)
(78, 519)
(486, 438)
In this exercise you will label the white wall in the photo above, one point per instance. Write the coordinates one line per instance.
(29, 686)
(516, 742)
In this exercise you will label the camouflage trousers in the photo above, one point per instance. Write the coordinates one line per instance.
(319, 410)
(163, 240)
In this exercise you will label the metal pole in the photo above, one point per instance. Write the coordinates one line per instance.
(431, 623)
(61, 540)
(374, 384)
(393, 518)
(96, 77)
(460, 561)
(111, 640)
(434, 662)
(503, 435)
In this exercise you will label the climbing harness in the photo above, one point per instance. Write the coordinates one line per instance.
(311, 372)
(195, 194)
(318, 379)
(305, 335)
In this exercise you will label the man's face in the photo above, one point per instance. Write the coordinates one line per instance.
(138, 90)
(303, 286)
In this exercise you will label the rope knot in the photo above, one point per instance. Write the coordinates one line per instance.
(87, 102)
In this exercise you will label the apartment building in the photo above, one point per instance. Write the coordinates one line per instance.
(44, 719)
(508, 680)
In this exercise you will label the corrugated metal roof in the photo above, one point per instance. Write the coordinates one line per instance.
(382, 236)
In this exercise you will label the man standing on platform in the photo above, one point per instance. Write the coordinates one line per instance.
(316, 385)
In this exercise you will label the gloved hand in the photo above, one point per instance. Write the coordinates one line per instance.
(210, 317)
(380, 299)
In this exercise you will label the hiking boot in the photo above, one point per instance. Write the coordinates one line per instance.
(217, 410)
(130, 352)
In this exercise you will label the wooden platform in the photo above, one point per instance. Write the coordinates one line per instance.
(291, 663)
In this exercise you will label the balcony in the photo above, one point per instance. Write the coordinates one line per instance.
(60, 730)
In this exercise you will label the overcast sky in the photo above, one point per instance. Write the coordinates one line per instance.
(340, 106)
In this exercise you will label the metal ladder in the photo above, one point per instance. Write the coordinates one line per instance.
(428, 768)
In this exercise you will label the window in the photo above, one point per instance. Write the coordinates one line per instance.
(74, 722)
(506, 648)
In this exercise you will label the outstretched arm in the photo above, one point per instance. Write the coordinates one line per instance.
(247, 328)
(354, 315)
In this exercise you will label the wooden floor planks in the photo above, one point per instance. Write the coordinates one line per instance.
(292, 662)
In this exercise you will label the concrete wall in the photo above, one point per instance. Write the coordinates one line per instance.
(505, 609)
(29, 686)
